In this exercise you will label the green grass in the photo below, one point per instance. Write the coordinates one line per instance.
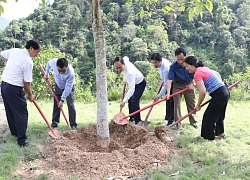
(228, 159)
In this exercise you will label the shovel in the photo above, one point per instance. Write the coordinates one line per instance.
(203, 104)
(146, 123)
(53, 132)
(122, 120)
(53, 92)
(121, 114)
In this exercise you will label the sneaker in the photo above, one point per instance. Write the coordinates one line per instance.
(195, 125)
(54, 124)
(25, 144)
(74, 127)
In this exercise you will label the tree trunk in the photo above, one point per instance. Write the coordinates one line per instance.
(101, 79)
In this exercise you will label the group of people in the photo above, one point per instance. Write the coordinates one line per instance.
(17, 78)
(184, 72)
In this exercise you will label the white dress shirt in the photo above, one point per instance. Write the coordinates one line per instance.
(132, 76)
(63, 81)
(163, 71)
(18, 67)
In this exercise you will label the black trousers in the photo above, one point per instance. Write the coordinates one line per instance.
(16, 110)
(134, 101)
(214, 115)
(170, 108)
(70, 104)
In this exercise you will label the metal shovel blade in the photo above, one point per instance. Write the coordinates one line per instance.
(143, 123)
(54, 133)
(119, 119)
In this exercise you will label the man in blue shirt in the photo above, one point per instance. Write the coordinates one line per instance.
(180, 78)
(64, 89)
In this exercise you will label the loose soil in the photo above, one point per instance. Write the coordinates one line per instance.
(132, 151)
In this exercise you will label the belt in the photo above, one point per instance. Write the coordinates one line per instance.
(11, 84)
(184, 83)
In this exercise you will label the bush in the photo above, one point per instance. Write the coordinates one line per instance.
(114, 85)
(144, 67)
(40, 86)
(241, 91)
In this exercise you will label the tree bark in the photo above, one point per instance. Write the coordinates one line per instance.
(101, 79)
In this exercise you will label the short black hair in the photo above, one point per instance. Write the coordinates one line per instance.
(180, 50)
(33, 43)
(156, 56)
(118, 59)
(61, 62)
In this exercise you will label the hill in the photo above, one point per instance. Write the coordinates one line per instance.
(3, 23)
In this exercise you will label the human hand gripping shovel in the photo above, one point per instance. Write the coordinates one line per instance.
(53, 132)
(203, 104)
(54, 94)
(121, 114)
(122, 120)
(145, 122)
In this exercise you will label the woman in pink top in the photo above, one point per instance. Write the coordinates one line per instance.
(210, 81)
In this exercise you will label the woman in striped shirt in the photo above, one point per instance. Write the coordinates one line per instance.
(210, 81)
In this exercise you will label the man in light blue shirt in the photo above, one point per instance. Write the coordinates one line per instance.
(64, 89)
(163, 66)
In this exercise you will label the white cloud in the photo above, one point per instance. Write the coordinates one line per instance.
(21, 9)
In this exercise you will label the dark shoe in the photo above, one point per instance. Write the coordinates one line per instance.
(136, 121)
(170, 122)
(195, 125)
(74, 127)
(221, 137)
(131, 120)
(54, 124)
(26, 143)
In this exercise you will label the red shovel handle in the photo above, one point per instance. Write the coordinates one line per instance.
(50, 85)
(154, 101)
(40, 111)
(203, 104)
(157, 102)
(123, 93)
(53, 92)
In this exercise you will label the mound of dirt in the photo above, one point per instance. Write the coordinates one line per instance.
(132, 151)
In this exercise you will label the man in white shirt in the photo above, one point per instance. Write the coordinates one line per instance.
(136, 83)
(17, 76)
(64, 89)
(163, 66)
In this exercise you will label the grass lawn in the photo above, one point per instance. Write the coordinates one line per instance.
(228, 159)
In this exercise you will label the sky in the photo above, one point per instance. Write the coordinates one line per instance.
(16, 10)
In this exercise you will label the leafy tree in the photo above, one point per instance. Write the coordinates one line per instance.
(138, 50)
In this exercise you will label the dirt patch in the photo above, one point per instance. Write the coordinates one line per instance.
(131, 152)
